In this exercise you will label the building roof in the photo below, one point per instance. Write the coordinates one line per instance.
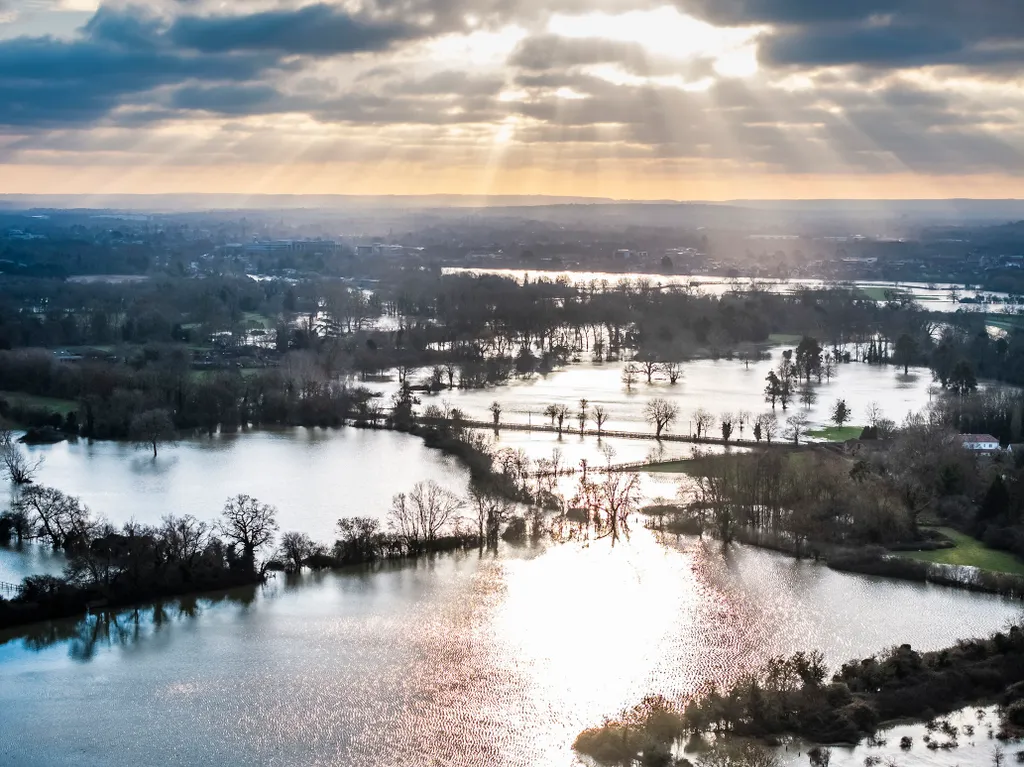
(978, 438)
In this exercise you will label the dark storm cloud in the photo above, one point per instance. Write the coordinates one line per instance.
(877, 33)
(122, 55)
(47, 82)
(312, 30)
(241, 99)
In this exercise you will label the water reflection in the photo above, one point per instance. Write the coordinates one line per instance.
(109, 629)
(313, 476)
(463, 659)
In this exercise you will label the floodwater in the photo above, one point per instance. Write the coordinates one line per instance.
(719, 386)
(313, 476)
(459, 660)
(935, 297)
(972, 741)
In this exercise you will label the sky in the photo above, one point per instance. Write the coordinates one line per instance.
(630, 99)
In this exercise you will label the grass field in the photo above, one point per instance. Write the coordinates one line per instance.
(836, 433)
(877, 293)
(970, 551)
(20, 399)
(872, 292)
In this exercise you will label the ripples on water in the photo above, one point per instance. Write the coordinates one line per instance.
(457, 660)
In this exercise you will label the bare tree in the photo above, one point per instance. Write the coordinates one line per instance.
(495, 409)
(769, 425)
(649, 367)
(829, 367)
(703, 420)
(249, 524)
(551, 411)
(561, 413)
(295, 549)
(796, 426)
(629, 375)
(808, 396)
(874, 414)
(600, 417)
(673, 370)
(490, 510)
(62, 520)
(660, 413)
(150, 428)
(14, 461)
(419, 516)
(742, 419)
(186, 538)
(618, 495)
(582, 414)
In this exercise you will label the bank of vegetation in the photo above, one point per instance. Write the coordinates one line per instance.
(796, 696)
(864, 508)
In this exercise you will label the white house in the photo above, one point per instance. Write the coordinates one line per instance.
(982, 443)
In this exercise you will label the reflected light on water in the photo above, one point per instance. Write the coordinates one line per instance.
(458, 660)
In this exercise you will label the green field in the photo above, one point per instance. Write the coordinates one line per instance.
(784, 338)
(877, 293)
(969, 551)
(20, 399)
(836, 433)
(873, 292)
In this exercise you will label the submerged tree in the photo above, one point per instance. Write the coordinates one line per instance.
(673, 371)
(660, 413)
(582, 414)
(599, 416)
(61, 520)
(703, 420)
(491, 509)
(14, 461)
(629, 375)
(151, 428)
(561, 413)
(904, 352)
(419, 516)
(295, 549)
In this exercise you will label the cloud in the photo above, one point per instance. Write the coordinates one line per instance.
(314, 30)
(862, 86)
(123, 54)
(553, 52)
(877, 33)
